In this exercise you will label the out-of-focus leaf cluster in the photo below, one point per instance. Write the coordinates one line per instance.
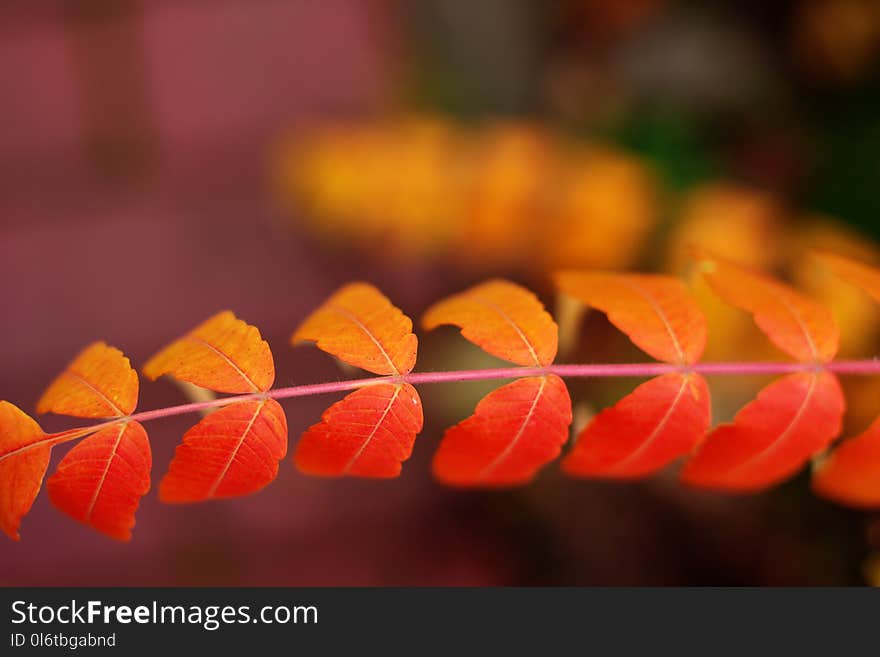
(506, 194)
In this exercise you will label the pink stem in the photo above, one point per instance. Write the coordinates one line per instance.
(863, 367)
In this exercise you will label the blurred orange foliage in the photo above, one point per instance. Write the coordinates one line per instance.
(503, 194)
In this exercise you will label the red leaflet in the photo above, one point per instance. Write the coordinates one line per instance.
(655, 311)
(513, 432)
(101, 480)
(660, 421)
(24, 457)
(851, 473)
(233, 451)
(367, 434)
(794, 323)
(771, 437)
(503, 319)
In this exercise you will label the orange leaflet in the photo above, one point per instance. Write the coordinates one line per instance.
(99, 382)
(851, 473)
(24, 457)
(502, 318)
(655, 311)
(772, 436)
(233, 451)
(359, 325)
(795, 323)
(101, 480)
(369, 433)
(660, 421)
(857, 273)
(223, 354)
(514, 431)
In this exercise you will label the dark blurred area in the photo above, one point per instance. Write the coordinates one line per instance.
(161, 160)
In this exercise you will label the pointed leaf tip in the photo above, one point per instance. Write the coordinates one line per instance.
(223, 354)
(502, 318)
(514, 431)
(655, 311)
(795, 323)
(233, 451)
(99, 382)
(369, 433)
(101, 480)
(359, 325)
(24, 457)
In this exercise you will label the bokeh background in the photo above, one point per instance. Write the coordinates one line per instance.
(164, 159)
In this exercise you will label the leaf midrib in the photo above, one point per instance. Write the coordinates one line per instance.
(493, 465)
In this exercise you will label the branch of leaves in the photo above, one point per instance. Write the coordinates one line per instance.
(514, 431)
